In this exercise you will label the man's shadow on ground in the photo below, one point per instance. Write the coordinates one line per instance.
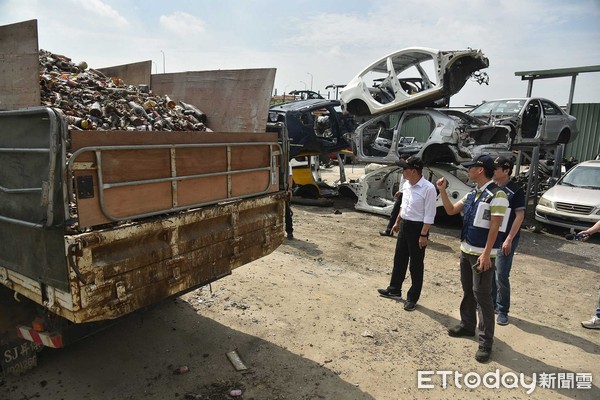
(519, 362)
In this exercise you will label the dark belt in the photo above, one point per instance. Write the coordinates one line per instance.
(406, 221)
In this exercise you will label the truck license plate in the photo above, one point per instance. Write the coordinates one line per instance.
(19, 356)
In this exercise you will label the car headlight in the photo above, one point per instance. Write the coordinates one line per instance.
(545, 202)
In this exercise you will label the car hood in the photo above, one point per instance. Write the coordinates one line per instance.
(573, 195)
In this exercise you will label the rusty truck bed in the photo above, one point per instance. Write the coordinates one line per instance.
(94, 225)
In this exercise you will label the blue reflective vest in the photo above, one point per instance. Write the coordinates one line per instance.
(473, 235)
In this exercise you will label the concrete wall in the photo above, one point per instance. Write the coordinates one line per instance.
(233, 100)
(132, 74)
(19, 66)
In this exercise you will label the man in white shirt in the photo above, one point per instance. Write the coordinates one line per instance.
(416, 216)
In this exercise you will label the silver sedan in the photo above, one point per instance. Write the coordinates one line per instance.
(532, 120)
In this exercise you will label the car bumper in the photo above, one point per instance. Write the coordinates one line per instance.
(551, 216)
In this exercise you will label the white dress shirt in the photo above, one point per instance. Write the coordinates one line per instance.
(418, 201)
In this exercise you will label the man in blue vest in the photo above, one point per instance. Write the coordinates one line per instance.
(484, 208)
(510, 239)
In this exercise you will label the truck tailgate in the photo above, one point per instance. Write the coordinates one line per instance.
(135, 265)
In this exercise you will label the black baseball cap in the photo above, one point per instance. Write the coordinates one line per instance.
(411, 162)
(482, 160)
(503, 162)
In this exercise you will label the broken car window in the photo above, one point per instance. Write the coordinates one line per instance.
(550, 109)
(417, 126)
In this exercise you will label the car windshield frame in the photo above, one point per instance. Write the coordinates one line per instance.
(462, 117)
(499, 107)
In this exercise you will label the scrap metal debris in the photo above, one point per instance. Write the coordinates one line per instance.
(92, 101)
(236, 361)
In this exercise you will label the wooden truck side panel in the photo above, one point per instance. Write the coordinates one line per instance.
(126, 175)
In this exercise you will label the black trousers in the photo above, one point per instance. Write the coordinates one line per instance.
(408, 251)
(476, 301)
(394, 214)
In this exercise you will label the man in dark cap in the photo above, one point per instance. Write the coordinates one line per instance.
(416, 215)
(484, 208)
(510, 238)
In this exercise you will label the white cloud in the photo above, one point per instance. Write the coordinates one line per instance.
(515, 36)
(104, 11)
(331, 45)
(182, 24)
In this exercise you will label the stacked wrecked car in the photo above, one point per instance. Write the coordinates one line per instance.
(405, 100)
(401, 101)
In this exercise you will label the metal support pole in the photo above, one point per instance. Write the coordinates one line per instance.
(533, 178)
(558, 156)
(341, 168)
(571, 93)
(518, 163)
(529, 87)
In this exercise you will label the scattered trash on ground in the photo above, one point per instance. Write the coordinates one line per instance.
(236, 361)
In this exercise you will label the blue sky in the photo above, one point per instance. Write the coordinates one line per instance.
(326, 41)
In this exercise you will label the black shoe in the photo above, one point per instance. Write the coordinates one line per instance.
(389, 294)
(290, 235)
(409, 306)
(386, 233)
(459, 331)
(483, 354)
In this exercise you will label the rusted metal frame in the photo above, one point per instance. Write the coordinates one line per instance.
(19, 222)
(229, 188)
(102, 186)
(47, 190)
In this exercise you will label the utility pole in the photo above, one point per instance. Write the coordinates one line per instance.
(311, 80)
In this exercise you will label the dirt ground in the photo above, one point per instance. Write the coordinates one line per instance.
(307, 322)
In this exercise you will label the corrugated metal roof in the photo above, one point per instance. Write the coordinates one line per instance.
(557, 72)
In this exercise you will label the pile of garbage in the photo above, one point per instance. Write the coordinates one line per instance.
(92, 101)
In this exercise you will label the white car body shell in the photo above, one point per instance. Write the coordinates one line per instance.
(451, 70)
